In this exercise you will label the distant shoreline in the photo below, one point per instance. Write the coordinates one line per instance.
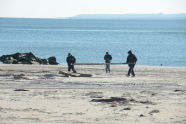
(114, 16)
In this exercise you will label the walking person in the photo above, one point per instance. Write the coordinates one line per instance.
(131, 60)
(107, 59)
(71, 60)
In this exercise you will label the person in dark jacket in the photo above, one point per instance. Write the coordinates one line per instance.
(131, 60)
(71, 60)
(107, 59)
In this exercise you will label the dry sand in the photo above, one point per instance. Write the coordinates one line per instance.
(155, 95)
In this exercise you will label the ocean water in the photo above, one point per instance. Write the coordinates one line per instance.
(154, 42)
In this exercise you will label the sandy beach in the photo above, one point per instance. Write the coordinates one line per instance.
(156, 95)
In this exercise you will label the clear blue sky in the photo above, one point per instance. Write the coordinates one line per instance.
(68, 8)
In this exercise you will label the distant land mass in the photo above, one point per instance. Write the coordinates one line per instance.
(129, 16)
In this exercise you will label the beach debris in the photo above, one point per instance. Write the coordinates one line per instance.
(141, 115)
(79, 113)
(121, 100)
(142, 102)
(154, 111)
(95, 94)
(112, 99)
(5, 75)
(113, 105)
(69, 74)
(127, 108)
(20, 76)
(153, 94)
(148, 92)
(146, 102)
(20, 90)
(26, 58)
(177, 90)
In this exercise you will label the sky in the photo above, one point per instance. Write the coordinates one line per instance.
(68, 8)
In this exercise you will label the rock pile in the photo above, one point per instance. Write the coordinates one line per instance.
(26, 58)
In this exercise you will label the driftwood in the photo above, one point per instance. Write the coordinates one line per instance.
(68, 74)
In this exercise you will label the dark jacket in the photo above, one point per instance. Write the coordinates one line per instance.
(71, 60)
(107, 58)
(131, 59)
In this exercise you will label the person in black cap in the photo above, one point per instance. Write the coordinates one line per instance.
(131, 60)
(107, 59)
(71, 60)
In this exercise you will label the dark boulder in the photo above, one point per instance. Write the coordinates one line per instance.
(8, 59)
(154, 111)
(28, 58)
(44, 61)
(52, 60)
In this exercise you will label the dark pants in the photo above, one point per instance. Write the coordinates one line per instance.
(71, 67)
(131, 69)
(107, 67)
